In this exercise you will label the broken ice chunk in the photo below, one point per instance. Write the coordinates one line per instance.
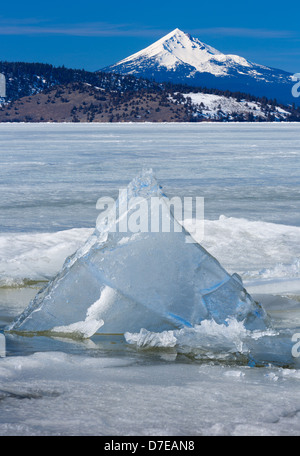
(133, 280)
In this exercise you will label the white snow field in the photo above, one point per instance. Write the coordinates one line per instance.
(209, 378)
(211, 105)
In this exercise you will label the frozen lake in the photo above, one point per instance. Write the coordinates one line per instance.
(51, 178)
(52, 175)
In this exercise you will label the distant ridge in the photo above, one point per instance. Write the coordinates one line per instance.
(43, 93)
(180, 58)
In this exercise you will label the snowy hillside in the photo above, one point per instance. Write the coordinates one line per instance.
(215, 107)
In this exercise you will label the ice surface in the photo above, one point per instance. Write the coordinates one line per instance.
(230, 165)
(135, 397)
(123, 281)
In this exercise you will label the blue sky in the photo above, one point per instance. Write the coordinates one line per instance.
(93, 34)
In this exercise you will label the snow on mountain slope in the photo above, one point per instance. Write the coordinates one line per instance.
(180, 58)
(216, 106)
(179, 48)
(176, 48)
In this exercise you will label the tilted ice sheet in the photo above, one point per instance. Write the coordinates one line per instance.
(128, 281)
(266, 255)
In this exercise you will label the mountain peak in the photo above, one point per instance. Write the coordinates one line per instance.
(176, 32)
(179, 57)
(173, 49)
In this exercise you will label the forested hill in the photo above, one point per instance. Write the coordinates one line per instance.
(24, 81)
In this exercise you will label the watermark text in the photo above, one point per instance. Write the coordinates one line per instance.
(296, 347)
(296, 87)
(154, 214)
(2, 346)
(2, 86)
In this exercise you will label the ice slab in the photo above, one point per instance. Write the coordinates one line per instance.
(121, 281)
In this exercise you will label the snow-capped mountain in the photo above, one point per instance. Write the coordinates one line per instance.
(180, 58)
